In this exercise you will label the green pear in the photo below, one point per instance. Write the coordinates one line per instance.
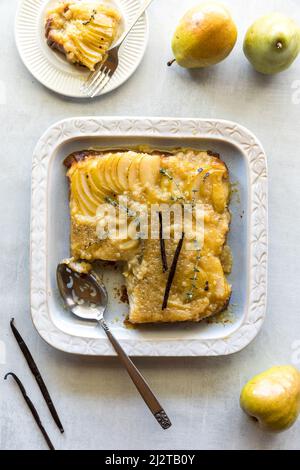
(273, 398)
(272, 43)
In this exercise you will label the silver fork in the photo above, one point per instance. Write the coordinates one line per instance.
(98, 79)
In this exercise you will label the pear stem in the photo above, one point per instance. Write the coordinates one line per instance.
(171, 62)
(279, 45)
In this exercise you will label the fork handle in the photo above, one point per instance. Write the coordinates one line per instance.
(138, 380)
(140, 12)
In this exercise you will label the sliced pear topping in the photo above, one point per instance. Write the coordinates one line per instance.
(105, 168)
(84, 183)
(109, 173)
(122, 170)
(99, 191)
(87, 208)
(84, 195)
(150, 170)
(100, 176)
(75, 198)
(134, 173)
(220, 193)
(114, 173)
(96, 182)
(201, 185)
(101, 195)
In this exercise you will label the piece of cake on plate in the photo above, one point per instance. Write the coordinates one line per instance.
(82, 30)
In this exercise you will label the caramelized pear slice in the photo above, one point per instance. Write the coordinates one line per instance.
(75, 203)
(99, 177)
(99, 191)
(210, 186)
(134, 173)
(219, 287)
(149, 170)
(87, 208)
(122, 170)
(105, 174)
(109, 173)
(84, 184)
(114, 172)
(85, 195)
(95, 181)
(220, 193)
(201, 186)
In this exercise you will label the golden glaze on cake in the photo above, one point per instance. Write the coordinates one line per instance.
(153, 178)
(83, 30)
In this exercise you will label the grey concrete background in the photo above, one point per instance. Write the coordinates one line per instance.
(98, 404)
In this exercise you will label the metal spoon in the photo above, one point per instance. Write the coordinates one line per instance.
(86, 297)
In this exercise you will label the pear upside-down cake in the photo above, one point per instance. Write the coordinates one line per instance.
(82, 30)
(191, 274)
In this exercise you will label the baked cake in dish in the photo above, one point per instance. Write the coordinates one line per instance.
(82, 30)
(149, 178)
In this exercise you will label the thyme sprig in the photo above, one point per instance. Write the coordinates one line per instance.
(166, 173)
(182, 197)
(116, 204)
(92, 17)
(196, 271)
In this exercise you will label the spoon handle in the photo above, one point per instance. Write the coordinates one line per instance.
(138, 380)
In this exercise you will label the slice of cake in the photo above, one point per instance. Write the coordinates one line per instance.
(82, 30)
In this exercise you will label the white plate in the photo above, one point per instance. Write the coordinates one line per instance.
(246, 161)
(52, 69)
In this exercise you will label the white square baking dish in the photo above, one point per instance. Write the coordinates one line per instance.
(247, 165)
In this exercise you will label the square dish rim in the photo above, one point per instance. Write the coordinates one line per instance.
(142, 127)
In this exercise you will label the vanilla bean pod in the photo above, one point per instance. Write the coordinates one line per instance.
(35, 371)
(162, 244)
(32, 409)
(172, 273)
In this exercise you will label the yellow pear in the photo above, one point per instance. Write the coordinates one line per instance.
(273, 398)
(205, 36)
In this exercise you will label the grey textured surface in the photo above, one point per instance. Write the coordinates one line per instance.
(98, 405)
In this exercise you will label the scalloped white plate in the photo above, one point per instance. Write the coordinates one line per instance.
(247, 165)
(52, 69)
